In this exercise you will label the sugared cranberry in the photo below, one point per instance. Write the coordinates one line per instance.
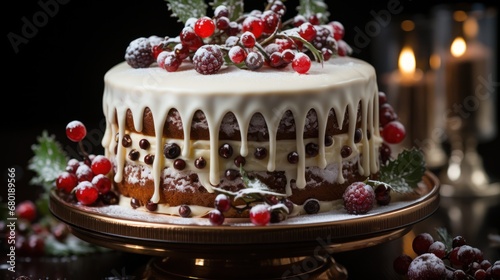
(66, 181)
(101, 165)
(76, 131)
(86, 193)
(222, 203)
(84, 173)
(301, 63)
(26, 210)
(102, 183)
(204, 27)
(260, 215)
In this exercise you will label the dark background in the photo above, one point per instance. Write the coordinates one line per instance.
(56, 75)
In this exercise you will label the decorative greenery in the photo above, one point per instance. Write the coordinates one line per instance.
(235, 7)
(314, 7)
(185, 9)
(403, 173)
(49, 161)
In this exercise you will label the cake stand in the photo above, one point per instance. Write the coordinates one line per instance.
(299, 247)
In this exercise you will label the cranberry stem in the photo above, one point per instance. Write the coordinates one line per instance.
(82, 150)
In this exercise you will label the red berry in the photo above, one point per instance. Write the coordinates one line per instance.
(237, 54)
(358, 198)
(248, 39)
(66, 181)
(101, 165)
(26, 210)
(382, 98)
(76, 131)
(386, 112)
(72, 165)
(260, 215)
(401, 264)
(314, 19)
(301, 63)
(254, 25)
(338, 30)
(102, 183)
(84, 173)
(383, 194)
(287, 56)
(216, 217)
(190, 39)
(307, 31)
(394, 132)
(438, 248)
(171, 63)
(204, 27)
(422, 242)
(86, 193)
(222, 203)
(271, 21)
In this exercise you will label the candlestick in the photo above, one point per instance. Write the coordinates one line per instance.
(470, 108)
(410, 92)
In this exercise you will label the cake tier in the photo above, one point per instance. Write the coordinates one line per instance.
(173, 136)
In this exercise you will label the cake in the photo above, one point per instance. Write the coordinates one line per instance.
(308, 136)
(267, 115)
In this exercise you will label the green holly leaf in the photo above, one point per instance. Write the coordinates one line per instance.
(48, 162)
(185, 9)
(405, 172)
(235, 7)
(314, 7)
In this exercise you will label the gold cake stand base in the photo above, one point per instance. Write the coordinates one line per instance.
(293, 249)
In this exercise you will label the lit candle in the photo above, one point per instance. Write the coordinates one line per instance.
(405, 90)
(467, 94)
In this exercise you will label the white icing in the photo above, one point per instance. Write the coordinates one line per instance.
(341, 84)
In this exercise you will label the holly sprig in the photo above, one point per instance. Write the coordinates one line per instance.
(403, 173)
(308, 8)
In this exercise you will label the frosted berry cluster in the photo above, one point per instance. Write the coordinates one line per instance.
(254, 40)
(438, 260)
(86, 181)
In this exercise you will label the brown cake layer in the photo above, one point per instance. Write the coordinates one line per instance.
(196, 194)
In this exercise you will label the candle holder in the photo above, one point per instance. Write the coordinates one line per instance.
(466, 43)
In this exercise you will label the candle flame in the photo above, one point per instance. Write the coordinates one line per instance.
(407, 62)
(458, 47)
